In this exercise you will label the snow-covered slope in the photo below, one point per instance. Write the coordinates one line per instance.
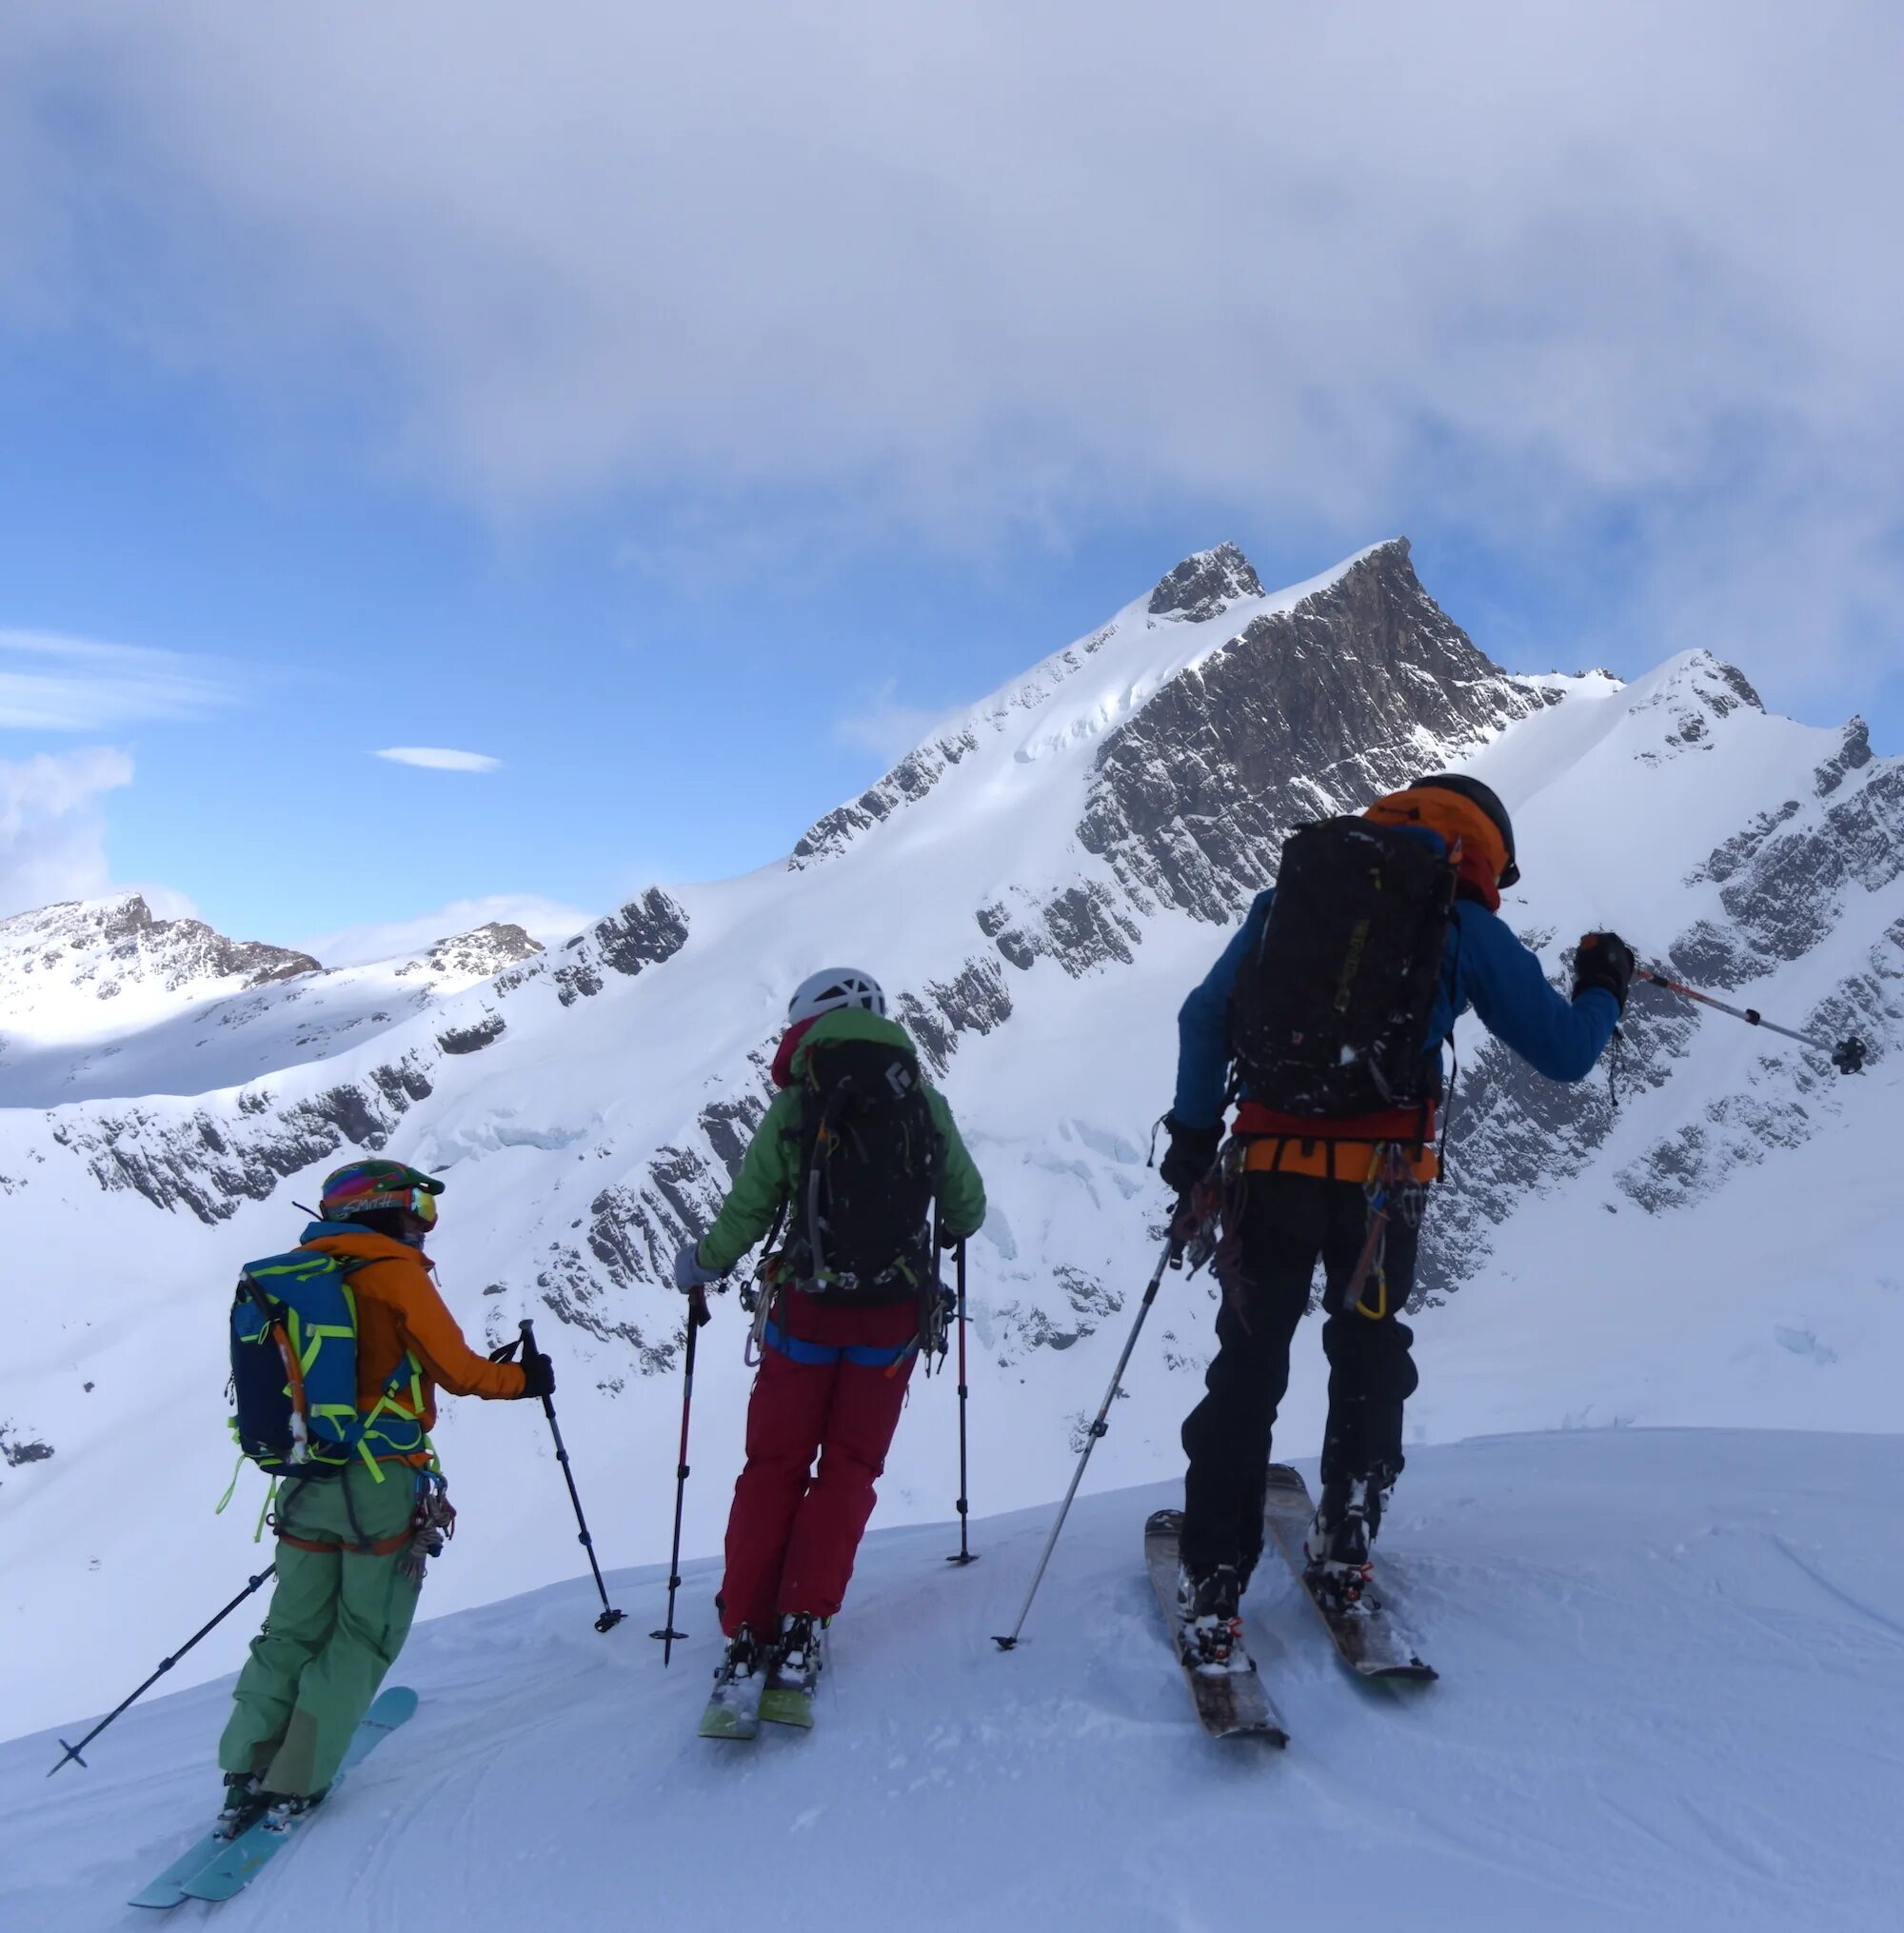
(99, 998)
(1671, 1666)
(1038, 885)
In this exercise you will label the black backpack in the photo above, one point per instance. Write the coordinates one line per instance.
(1330, 1014)
(871, 1162)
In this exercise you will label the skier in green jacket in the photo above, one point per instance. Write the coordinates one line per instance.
(861, 1158)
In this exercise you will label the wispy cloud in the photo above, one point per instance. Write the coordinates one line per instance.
(437, 758)
(882, 725)
(51, 681)
(52, 838)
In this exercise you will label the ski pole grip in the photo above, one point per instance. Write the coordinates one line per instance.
(527, 1328)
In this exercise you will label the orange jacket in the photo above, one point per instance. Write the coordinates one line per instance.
(399, 1308)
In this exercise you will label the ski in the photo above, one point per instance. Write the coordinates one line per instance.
(789, 1697)
(733, 1707)
(790, 1704)
(217, 1868)
(166, 1890)
(1231, 1703)
(1371, 1641)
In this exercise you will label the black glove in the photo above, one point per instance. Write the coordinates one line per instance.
(538, 1375)
(1604, 960)
(1191, 1155)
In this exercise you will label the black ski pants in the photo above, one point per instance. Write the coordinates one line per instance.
(1283, 1223)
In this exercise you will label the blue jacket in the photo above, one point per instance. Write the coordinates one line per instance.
(1483, 966)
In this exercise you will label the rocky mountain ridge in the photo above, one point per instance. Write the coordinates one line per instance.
(101, 947)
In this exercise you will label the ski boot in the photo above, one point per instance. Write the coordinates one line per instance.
(1336, 1547)
(741, 1660)
(793, 1670)
(282, 1811)
(734, 1705)
(796, 1659)
(1213, 1625)
(244, 1805)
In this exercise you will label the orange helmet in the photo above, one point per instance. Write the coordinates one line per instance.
(1463, 811)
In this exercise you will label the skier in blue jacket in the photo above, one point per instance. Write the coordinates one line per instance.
(1302, 1194)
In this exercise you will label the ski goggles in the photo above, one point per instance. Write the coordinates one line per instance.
(420, 1202)
(385, 1185)
(417, 1202)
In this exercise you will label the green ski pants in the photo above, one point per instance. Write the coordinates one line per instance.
(337, 1620)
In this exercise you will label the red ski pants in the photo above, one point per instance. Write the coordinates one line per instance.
(831, 1383)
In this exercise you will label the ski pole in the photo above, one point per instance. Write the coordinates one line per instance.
(164, 1665)
(1172, 1253)
(610, 1618)
(1847, 1055)
(965, 1554)
(697, 1313)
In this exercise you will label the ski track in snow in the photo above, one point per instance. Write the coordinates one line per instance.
(1657, 1709)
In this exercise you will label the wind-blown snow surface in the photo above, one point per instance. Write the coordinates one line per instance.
(1038, 885)
(1673, 1663)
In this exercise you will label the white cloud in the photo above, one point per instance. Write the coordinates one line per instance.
(883, 726)
(435, 758)
(50, 682)
(1013, 263)
(542, 919)
(52, 838)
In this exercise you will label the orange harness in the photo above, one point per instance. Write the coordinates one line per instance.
(383, 1548)
(1338, 1160)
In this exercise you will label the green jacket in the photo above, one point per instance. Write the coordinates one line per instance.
(768, 1173)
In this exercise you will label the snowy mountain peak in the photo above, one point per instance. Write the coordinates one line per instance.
(480, 954)
(1071, 707)
(87, 966)
(1205, 585)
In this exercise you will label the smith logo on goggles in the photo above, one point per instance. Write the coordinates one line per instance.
(381, 1185)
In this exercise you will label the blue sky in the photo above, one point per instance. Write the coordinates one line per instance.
(681, 446)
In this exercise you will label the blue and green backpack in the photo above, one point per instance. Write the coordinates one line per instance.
(294, 1371)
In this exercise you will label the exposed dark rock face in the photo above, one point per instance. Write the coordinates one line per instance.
(575, 1293)
(912, 778)
(1853, 755)
(729, 1127)
(647, 931)
(1786, 891)
(469, 1040)
(208, 1165)
(1710, 956)
(1081, 928)
(1314, 712)
(17, 1449)
(974, 1001)
(1203, 587)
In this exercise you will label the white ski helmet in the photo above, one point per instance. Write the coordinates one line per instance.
(832, 989)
